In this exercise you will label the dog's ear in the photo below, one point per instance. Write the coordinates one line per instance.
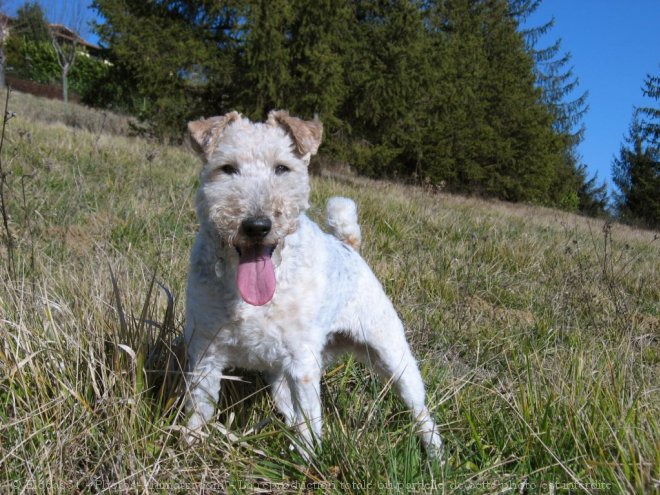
(205, 133)
(306, 134)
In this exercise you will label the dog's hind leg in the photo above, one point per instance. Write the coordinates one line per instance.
(389, 354)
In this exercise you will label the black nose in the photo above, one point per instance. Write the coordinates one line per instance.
(256, 227)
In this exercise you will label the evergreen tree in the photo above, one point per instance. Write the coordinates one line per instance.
(651, 115)
(264, 66)
(441, 91)
(28, 48)
(320, 40)
(636, 172)
(178, 57)
(457, 109)
(527, 153)
(496, 134)
(388, 72)
(31, 23)
(592, 197)
(556, 78)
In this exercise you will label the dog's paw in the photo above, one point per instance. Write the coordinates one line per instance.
(434, 447)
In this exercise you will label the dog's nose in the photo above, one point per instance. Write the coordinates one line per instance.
(256, 227)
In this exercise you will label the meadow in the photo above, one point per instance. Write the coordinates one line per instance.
(537, 332)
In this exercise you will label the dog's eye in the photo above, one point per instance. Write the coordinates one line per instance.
(229, 169)
(281, 169)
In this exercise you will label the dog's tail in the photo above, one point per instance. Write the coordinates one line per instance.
(342, 220)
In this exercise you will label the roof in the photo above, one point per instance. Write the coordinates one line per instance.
(60, 30)
(63, 32)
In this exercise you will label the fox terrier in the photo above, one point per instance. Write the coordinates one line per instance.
(269, 291)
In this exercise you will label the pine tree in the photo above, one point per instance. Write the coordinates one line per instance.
(526, 149)
(592, 197)
(636, 172)
(554, 76)
(264, 66)
(651, 115)
(559, 85)
(177, 58)
(28, 50)
(31, 23)
(388, 73)
(457, 110)
(494, 133)
(441, 91)
(319, 42)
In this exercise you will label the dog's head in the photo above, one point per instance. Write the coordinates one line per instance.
(254, 185)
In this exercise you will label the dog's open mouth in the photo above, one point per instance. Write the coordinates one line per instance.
(256, 276)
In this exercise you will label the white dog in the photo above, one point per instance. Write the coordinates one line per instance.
(268, 290)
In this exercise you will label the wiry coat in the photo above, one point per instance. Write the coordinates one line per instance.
(326, 300)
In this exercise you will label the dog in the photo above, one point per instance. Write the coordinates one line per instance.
(268, 290)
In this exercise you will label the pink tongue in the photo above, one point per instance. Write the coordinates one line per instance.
(256, 276)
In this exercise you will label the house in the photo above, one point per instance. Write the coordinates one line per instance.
(63, 33)
(60, 31)
(17, 71)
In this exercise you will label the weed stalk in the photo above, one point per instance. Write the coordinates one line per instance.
(3, 202)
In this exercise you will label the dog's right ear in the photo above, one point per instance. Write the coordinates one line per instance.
(204, 133)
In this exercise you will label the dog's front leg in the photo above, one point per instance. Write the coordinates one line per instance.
(305, 385)
(281, 393)
(202, 392)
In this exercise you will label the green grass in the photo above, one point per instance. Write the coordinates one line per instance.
(537, 333)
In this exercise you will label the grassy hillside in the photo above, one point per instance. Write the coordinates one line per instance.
(537, 332)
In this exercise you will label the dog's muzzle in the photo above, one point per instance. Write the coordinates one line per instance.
(255, 277)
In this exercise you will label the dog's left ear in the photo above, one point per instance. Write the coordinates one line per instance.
(306, 134)
(205, 133)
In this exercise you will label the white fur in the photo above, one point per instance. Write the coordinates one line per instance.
(342, 220)
(327, 301)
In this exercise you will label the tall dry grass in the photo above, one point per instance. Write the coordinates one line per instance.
(537, 333)
(74, 115)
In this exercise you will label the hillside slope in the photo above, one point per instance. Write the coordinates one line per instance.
(537, 332)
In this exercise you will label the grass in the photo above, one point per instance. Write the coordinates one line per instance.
(537, 333)
(79, 117)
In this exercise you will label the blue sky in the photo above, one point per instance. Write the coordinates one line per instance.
(614, 44)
